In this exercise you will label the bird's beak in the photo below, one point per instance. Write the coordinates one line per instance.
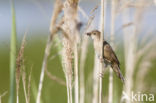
(88, 33)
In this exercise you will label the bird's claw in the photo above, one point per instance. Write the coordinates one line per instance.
(101, 75)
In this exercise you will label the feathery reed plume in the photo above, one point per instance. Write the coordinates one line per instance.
(70, 28)
(2, 95)
(53, 30)
(103, 17)
(12, 54)
(84, 48)
(19, 62)
(67, 67)
(76, 73)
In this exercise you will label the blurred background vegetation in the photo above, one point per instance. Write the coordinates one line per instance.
(33, 17)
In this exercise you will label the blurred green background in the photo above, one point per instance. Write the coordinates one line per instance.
(52, 91)
(33, 17)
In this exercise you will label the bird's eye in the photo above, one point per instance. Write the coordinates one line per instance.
(94, 33)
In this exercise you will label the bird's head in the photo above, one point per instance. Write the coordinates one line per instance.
(94, 34)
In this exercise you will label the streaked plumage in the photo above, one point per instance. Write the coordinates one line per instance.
(109, 54)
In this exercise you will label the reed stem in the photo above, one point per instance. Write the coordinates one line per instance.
(103, 16)
(12, 55)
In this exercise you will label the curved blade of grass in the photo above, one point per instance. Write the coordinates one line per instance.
(12, 55)
(34, 89)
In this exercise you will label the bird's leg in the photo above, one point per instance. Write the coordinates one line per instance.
(101, 74)
(106, 63)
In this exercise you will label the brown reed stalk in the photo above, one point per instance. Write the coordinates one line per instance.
(19, 63)
(53, 30)
(2, 95)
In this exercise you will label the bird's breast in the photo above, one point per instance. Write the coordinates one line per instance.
(97, 48)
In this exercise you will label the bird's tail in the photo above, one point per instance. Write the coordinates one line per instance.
(117, 71)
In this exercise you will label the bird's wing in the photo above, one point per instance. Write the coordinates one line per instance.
(109, 54)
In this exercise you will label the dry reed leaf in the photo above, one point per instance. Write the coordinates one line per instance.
(24, 84)
(29, 85)
(53, 29)
(55, 78)
(2, 95)
(94, 9)
(57, 9)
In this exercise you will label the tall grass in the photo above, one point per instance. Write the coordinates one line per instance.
(70, 46)
(83, 56)
(95, 98)
(53, 30)
(113, 12)
(102, 26)
(2, 95)
(19, 63)
(73, 67)
(12, 55)
(131, 44)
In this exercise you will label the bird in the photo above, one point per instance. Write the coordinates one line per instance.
(109, 55)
